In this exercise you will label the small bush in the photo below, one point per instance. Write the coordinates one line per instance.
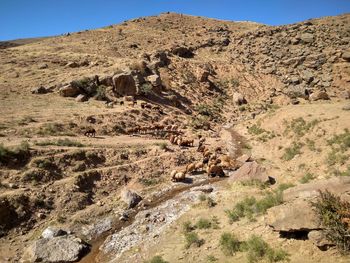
(202, 197)
(307, 178)
(14, 155)
(157, 259)
(256, 183)
(203, 223)
(300, 127)
(200, 122)
(250, 206)
(146, 89)
(192, 238)
(256, 130)
(229, 244)
(334, 214)
(342, 140)
(163, 145)
(257, 249)
(211, 258)
(292, 151)
(101, 93)
(187, 227)
(336, 157)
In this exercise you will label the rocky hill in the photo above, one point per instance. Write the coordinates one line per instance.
(271, 101)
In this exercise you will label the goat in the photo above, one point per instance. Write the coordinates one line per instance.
(177, 176)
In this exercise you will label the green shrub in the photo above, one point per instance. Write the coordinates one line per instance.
(333, 213)
(336, 157)
(203, 223)
(101, 93)
(307, 178)
(211, 258)
(250, 206)
(187, 227)
(14, 155)
(342, 140)
(300, 127)
(192, 238)
(229, 244)
(256, 130)
(146, 89)
(200, 122)
(157, 259)
(291, 152)
(163, 145)
(257, 249)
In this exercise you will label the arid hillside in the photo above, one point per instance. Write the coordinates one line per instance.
(177, 138)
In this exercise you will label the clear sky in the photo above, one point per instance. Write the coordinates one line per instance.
(33, 18)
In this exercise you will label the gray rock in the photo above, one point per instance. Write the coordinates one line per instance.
(51, 232)
(251, 171)
(204, 189)
(318, 239)
(39, 90)
(307, 38)
(346, 107)
(293, 216)
(155, 80)
(345, 94)
(124, 84)
(238, 99)
(130, 198)
(43, 66)
(62, 249)
(346, 55)
(72, 65)
(81, 98)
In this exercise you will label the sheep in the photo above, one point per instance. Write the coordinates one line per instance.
(201, 148)
(215, 170)
(218, 149)
(177, 176)
(143, 104)
(230, 163)
(174, 127)
(90, 133)
(190, 168)
(201, 141)
(121, 103)
(185, 142)
(207, 153)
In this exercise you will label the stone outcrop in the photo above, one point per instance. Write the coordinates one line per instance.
(131, 198)
(124, 84)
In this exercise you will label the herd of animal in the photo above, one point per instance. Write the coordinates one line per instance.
(213, 162)
(132, 101)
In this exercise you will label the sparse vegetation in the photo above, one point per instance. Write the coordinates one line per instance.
(163, 145)
(256, 129)
(211, 258)
(300, 127)
(229, 244)
(250, 206)
(146, 89)
(101, 93)
(50, 129)
(210, 202)
(292, 151)
(258, 249)
(307, 178)
(15, 154)
(157, 259)
(193, 239)
(60, 142)
(334, 214)
(203, 223)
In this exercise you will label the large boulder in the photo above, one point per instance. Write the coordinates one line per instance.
(69, 91)
(307, 38)
(318, 239)
(297, 214)
(124, 84)
(319, 95)
(61, 249)
(251, 171)
(131, 198)
(292, 217)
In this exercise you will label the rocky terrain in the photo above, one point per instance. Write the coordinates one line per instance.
(88, 143)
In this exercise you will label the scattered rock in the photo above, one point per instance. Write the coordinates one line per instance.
(346, 107)
(69, 91)
(346, 55)
(244, 158)
(81, 98)
(204, 189)
(318, 239)
(59, 249)
(319, 95)
(72, 65)
(40, 90)
(155, 80)
(43, 66)
(307, 38)
(345, 94)
(130, 198)
(238, 99)
(182, 51)
(52, 232)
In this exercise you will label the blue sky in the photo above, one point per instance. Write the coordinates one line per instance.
(33, 18)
